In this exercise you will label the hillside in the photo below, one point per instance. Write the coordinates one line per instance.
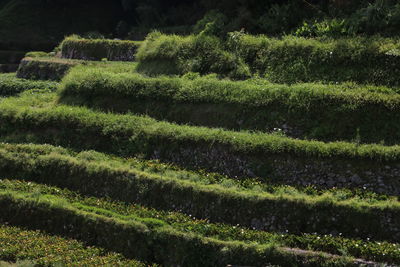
(224, 138)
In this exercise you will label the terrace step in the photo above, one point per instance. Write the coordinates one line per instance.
(269, 158)
(68, 214)
(296, 212)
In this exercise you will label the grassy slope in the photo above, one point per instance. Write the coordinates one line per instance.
(308, 110)
(153, 219)
(11, 85)
(46, 250)
(39, 25)
(98, 175)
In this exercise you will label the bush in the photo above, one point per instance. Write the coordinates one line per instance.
(286, 60)
(281, 18)
(329, 28)
(379, 17)
(213, 23)
(171, 54)
(291, 59)
(96, 49)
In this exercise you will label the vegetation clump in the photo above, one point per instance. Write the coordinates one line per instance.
(75, 47)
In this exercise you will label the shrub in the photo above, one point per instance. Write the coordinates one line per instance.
(330, 28)
(213, 23)
(171, 54)
(291, 59)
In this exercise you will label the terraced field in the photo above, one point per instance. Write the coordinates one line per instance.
(101, 165)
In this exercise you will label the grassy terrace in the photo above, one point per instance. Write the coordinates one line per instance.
(258, 155)
(282, 60)
(369, 114)
(132, 181)
(125, 235)
(54, 200)
(41, 249)
(74, 47)
(11, 85)
(41, 67)
(221, 172)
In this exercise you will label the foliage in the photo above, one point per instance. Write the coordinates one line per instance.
(74, 47)
(43, 68)
(213, 23)
(46, 250)
(281, 18)
(377, 251)
(10, 85)
(330, 28)
(291, 59)
(173, 54)
(34, 118)
(145, 239)
(243, 105)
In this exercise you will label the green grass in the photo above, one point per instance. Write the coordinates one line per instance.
(308, 111)
(283, 60)
(371, 250)
(52, 68)
(98, 49)
(173, 54)
(35, 118)
(128, 233)
(152, 233)
(17, 264)
(161, 187)
(41, 249)
(11, 85)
